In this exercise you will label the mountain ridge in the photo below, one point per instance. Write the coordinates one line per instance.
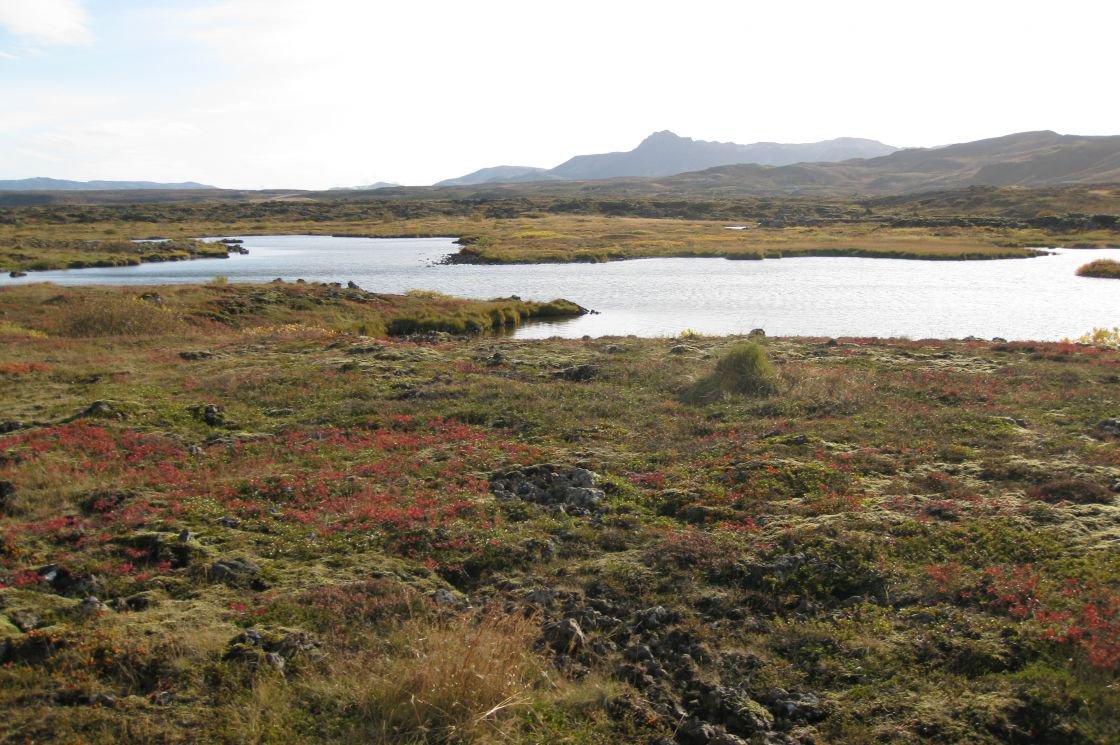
(665, 153)
(42, 183)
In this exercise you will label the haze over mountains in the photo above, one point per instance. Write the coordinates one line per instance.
(1030, 159)
(54, 184)
(1027, 159)
(665, 154)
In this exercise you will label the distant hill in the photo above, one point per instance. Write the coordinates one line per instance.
(367, 187)
(54, 184)
(1032, 159)
(1028, 159)
(500, 175)
(665, 154)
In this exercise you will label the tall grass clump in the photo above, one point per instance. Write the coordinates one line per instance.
(449, 680)
(1102, 268)
(115, 316)
(745, 370)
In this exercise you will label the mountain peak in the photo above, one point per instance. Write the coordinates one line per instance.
(664, 136)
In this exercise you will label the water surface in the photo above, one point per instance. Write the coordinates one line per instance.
(1038, 298)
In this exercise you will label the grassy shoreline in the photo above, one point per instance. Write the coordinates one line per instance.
(527, 232)
(236, 515)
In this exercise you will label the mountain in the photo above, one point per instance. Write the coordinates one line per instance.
(1030, 159)
(367, 187)
(665, 154)
(53, 184)
(500, 175)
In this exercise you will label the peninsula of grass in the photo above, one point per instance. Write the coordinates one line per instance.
(37, 253)
(1103, 268)
(547, 229)
(246, 514)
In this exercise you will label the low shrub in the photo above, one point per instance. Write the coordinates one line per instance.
(1077, 491)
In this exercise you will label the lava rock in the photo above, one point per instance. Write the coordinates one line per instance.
(571, 489)
(25, 620)
(274, 648)
(566, 636)
(96, 410)
(91, 606)
(210, 414)
(7, 491)
(233, 571)
(578, 373)
(796, 706)
(1109, 427)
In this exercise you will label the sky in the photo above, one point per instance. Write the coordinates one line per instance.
(314, 94)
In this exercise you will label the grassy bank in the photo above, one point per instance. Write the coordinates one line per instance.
(34, 251)
(549, 230)
(248, 519)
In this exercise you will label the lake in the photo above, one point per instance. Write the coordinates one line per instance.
(1039, 298)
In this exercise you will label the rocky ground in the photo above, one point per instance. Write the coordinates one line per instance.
(228, 523)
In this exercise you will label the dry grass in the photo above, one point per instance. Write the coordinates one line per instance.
(1101, 268)
(449, 679)
(744, 370)
(115, 315)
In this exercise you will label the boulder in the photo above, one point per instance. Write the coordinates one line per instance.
(566, 636)
(233, 571)
(91, 606)
(25, 620)
(578, 373)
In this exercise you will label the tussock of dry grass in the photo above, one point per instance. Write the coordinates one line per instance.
(443, 679)
(744, 370)
(1101, 268)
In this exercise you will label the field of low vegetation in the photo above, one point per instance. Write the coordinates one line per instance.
(303, 513)
(982, 224)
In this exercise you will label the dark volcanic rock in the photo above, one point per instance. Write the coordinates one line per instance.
(7, 491)
(210, 414)
(568, 489)
(578, 373)
(233, 571)
(96, 410)
(1109, 428)
(272, 647)
(565, 636)
(65, 582)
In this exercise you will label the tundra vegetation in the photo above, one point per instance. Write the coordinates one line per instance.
(1102, 268)
(965, 224)
(255, 514)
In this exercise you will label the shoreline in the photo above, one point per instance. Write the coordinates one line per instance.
(466, 256)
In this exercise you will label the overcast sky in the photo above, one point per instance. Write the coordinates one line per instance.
(321, 93)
